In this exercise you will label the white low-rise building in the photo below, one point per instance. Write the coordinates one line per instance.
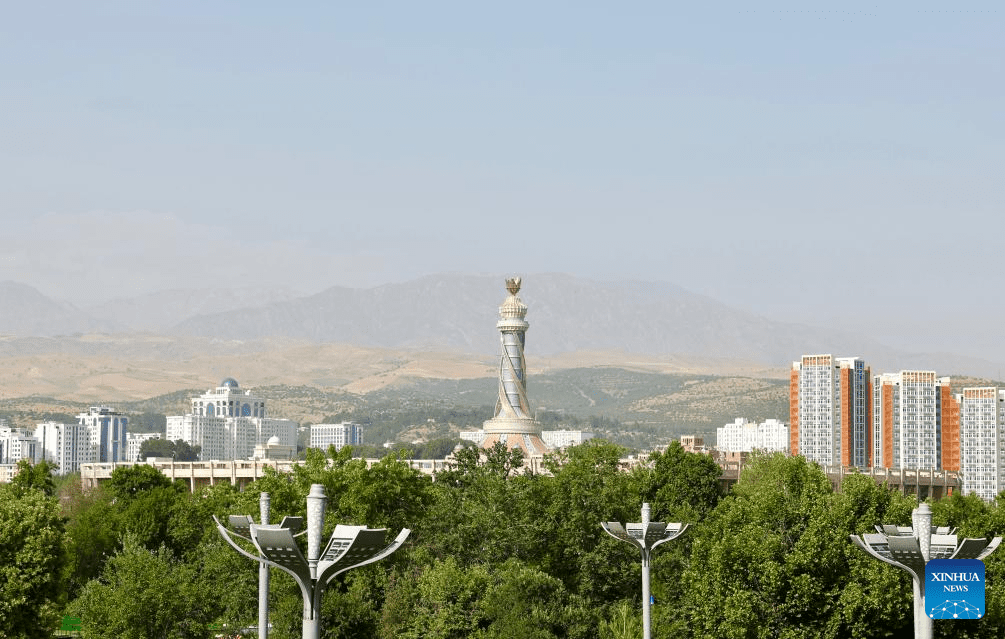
(273, 450)
(556, 439)
(744, 436)
(476, 436)
(337, 435)
(553, 439)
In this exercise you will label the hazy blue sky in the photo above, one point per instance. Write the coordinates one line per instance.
(839, 166)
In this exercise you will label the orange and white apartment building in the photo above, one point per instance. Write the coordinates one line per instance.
(916, 424)
(829, 408)
(841, 414)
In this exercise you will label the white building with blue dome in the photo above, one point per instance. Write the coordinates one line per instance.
(228, 422)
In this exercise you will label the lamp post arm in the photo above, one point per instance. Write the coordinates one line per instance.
(991, 547)
(616, 530)
(227, 536)
(335, 570)
(976, 548)
(675, 535)
(896, 564)
(325, 577)
(306, 589)
(391, 547)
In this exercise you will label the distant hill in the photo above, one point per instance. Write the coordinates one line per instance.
(448, 312)
(432, 312)
(24, 311)
(567, 314)
(163, 309)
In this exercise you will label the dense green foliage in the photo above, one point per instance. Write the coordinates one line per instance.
(495, 552)
(31, 559)
(178, 450)
(145, 593)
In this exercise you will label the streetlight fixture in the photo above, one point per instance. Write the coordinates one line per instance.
(645, 536)
(910, 548)
(349, 547)
(241, 527)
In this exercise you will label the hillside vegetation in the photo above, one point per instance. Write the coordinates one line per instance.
(635, 408)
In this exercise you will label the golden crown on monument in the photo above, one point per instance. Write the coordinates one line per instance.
(513, 285)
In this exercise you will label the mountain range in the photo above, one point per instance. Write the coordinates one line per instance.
(24, 311)
(456, 312)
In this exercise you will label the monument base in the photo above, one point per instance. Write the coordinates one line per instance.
(524, 434)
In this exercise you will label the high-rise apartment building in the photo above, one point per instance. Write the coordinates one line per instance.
(829, 407)
(949, 418)
(337, 435)
(915, 422)
(228, 423)
(982, 441)
(106, 431)
(17, 444)
(65, 445)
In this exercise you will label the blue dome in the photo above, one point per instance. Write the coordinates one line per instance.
(229, 382)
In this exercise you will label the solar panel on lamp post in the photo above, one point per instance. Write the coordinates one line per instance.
(910, 548)
(645, 536)
(348, 547)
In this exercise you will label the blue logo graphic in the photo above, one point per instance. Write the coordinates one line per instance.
(954, 588)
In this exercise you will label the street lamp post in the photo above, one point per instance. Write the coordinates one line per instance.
(645, 536)
(241, 527)
(349, 547)
(263, 575)
(910, 548)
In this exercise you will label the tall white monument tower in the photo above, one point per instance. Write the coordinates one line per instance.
(513, 424)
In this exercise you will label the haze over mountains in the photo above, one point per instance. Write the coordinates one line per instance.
(458, 312)
(24, 311)
(162, 310)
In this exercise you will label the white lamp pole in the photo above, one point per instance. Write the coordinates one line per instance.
(645, 536)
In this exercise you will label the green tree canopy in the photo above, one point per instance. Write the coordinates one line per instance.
(185, 452)
(92, 532)
(774, 560)
(178, 450)
(30, 476)
(31, 561)
(156, 447)
(506, 601)
(145, 594)
(679, 485)
(501, 552)
(151, 507)
(129, 481)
